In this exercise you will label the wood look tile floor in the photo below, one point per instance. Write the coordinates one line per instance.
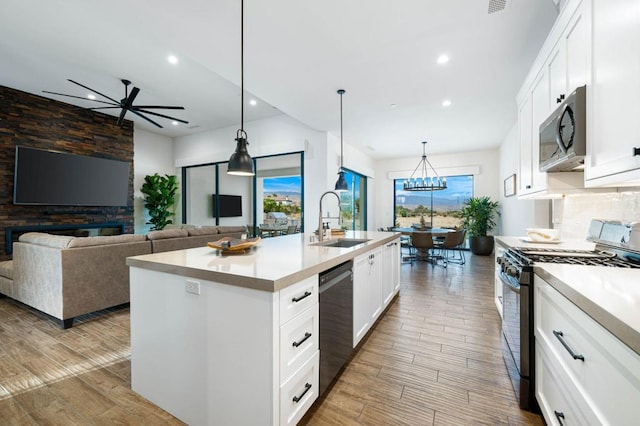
(434, 358)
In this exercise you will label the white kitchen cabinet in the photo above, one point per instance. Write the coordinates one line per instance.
(567, 65)
(375, 284)
(390, 271)
(613, 132)
(361, 318)
(561, 66)
(582, 370)
(368, 300)
(533, 111)
(224, 355)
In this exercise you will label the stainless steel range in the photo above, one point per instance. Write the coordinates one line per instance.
(617, 245)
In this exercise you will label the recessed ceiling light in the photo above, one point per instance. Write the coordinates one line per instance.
(443, 59)
(446, 103)
(91, 96)
(393, 105)
(175, 123)
(172, 59)
(253, 102)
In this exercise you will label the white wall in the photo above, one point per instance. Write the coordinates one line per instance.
(517, 215)
(483, 164)
(152, 153)
(277, 135)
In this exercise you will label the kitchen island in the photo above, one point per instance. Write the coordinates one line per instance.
(233, 339)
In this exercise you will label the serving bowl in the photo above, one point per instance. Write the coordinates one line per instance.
(543, 235)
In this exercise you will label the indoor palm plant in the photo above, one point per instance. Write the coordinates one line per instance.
(479, 217)
(159, 198)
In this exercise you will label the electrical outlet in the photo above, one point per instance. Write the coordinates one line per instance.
(191, 286)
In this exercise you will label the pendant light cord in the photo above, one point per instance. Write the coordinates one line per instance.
(341, 92)
(242, 65)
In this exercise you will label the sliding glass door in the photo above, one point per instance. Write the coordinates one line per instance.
(273, 198)
(354, 202)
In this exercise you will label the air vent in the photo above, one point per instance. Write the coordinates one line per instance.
(496, 5)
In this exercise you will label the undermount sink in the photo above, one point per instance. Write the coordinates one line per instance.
(341, 242)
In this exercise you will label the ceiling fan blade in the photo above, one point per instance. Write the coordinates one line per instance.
(128, 102)
(126, 105)
(158, 107)
(79, 97)
(159, 115)
(111, 107)
(94, 91)
(146, 118)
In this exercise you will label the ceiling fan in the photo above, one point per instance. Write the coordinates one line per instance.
(126, 103)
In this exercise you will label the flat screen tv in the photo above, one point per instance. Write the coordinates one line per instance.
(59, 179)
(227, 205)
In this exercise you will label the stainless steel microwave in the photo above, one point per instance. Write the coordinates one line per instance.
(563, 135)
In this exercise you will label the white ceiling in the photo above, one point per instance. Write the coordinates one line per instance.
(297, 54)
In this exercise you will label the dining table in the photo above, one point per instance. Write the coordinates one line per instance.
(438, 234)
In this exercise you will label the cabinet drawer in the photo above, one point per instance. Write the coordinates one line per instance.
(298, 297)
(299, 392)
(298, 341)
(556, 395)
(609, 371)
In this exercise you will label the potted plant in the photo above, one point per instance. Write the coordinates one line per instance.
(159, 197)
(479, 214)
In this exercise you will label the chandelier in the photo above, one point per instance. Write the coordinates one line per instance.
(422, 181)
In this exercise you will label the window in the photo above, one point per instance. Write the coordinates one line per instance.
(414, 207)
(353, 202)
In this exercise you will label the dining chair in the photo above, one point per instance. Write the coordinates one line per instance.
(451, 248)
(423, 244)
(405, 246)
(291, 230)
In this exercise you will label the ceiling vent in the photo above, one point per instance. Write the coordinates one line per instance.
(496, 5)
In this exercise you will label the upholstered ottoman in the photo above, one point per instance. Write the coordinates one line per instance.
(6, 278)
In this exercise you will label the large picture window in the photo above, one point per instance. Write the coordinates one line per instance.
(415, 207)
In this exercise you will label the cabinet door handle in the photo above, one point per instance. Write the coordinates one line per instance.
(528, 187)
(304, 296)
(636, 151)
(297, 399)
(559, 416)
(560, 337)
(301, 341)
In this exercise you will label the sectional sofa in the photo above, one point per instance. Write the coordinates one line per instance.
(66, 277)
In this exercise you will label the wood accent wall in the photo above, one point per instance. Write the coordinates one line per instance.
(36, 122)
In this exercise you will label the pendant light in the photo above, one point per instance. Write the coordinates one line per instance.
(241, 163)
(423, 182)
(341, 183)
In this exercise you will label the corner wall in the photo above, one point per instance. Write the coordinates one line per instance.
(517, 215)
(152, 153)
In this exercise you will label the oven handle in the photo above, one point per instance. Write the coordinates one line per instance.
(506, 281)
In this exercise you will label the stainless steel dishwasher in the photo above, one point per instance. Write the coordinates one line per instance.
(336, 321)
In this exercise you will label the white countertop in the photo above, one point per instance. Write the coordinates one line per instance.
(611, 296)
(271, 266)
(573, 244)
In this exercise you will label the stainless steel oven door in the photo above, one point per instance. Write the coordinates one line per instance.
(515, 321)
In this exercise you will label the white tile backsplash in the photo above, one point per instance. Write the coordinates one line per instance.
(573, 213)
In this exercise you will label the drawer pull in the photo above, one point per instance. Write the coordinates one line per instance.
(559, 416)
(297, 399)
(559, 335)
(304, 296)
(298, 343)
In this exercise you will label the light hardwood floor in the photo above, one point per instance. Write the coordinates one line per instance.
(433, 359)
